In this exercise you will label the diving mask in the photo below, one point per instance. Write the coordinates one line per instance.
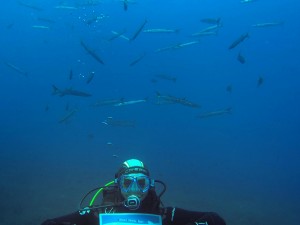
(134, 183)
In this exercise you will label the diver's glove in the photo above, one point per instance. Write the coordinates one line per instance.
(197, 223)
(210, 218)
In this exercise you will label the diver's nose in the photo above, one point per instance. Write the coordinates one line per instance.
(134, 187)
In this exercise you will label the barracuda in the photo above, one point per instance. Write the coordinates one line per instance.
(238, 41)
(69, 91)
(131, 102)
(270, 24)
(215, 113)
(161, 30)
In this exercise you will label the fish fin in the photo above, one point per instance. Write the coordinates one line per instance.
(55, 90)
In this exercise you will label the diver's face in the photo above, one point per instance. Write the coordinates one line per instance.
(136, 184)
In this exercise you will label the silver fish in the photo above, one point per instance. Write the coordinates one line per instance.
(169, 99)
(166, 77)
(211, 20)
(67, 117)
(138, 59)
(118, 34)
(17, 69)
(108, 102)
(131, 102)
(161, 30)
(238, 41)
(215, 113)
(69, 91)
(90, 77)
(91, 52)
(138, 30)
(270, 24)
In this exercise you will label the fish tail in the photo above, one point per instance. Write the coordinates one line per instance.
(55, 90)
(229, 110)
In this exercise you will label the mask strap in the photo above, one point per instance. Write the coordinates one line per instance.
(152, 182)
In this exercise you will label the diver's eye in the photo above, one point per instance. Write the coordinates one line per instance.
(141, 182)
(127, 182)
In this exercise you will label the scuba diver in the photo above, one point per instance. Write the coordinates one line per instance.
(131, 199)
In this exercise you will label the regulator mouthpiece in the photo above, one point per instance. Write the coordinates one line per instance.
(132, 202)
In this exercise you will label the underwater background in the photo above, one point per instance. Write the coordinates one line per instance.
(209, 102)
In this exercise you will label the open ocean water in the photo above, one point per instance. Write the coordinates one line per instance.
(205, 92)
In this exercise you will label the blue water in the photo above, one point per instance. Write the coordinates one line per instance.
(243, 165)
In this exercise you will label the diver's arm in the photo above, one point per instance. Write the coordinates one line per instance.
(72, 219)
(178, 216)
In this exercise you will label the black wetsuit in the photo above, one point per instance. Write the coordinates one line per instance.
(170, 216)
(151, 205)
